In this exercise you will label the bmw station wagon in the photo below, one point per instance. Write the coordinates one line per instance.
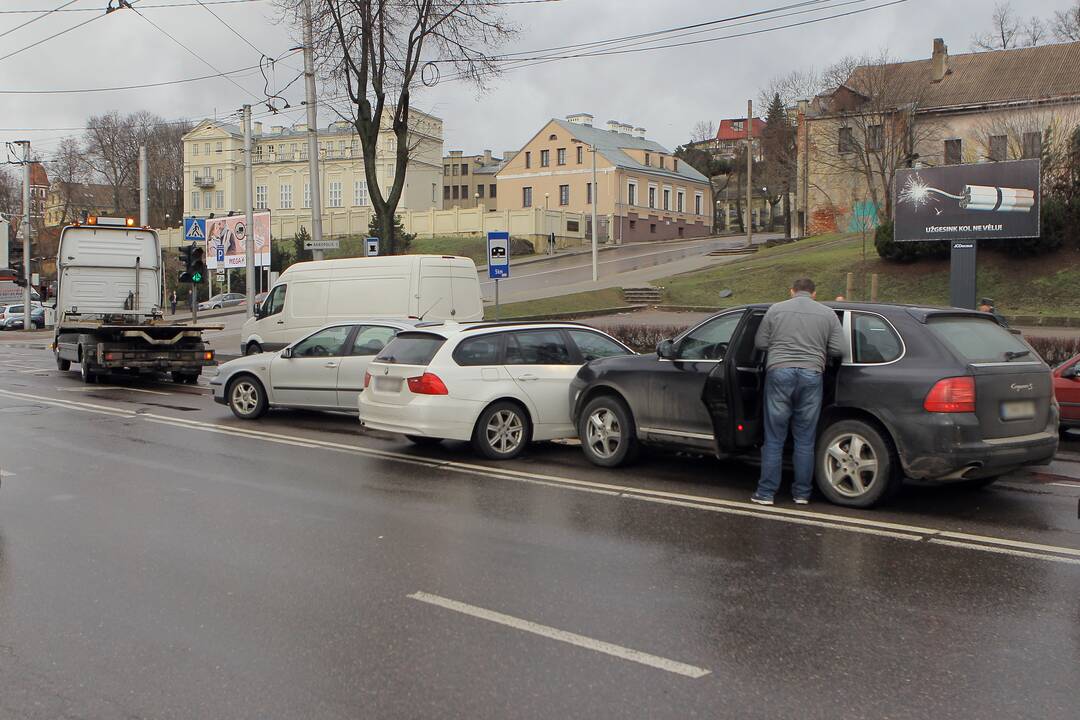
(938, 395)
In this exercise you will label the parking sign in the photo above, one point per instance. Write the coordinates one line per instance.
(498, 255)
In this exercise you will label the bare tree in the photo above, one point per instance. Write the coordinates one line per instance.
(381, 51)
(702, 131)
(1033, 31)
(69, 171)
(1046, 134)
(1066, 23)
(1005, 27)
(109, 140)
(791, 88)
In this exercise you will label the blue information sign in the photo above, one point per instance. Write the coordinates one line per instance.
(194, 229)
(498, 255)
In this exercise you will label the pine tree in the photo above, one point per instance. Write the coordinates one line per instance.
(779, 150)
(398, 243)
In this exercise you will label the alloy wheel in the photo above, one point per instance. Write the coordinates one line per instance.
(505, 431)
(603, 433)
(851, 466)
(245, 397)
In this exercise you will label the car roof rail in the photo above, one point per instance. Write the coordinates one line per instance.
(482, 325)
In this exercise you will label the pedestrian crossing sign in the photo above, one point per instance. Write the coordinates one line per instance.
(194, 229)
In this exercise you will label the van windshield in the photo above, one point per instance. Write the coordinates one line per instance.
(979, 340)
(411, 348)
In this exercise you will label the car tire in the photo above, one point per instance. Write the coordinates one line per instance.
(607, 432)
(185, 378)
(502, 431)
(61, 364)
(856, 464)
(246, 397)
(253, 348)
(423, 440)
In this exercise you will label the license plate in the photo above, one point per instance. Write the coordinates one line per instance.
(388, 384)
(1018, 410)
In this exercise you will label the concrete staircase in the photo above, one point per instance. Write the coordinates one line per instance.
(643, 295)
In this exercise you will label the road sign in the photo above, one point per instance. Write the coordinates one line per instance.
(194, 229)
(321, 244)
(220, 255)
(371, 246)
(220, 276)
(498, 255)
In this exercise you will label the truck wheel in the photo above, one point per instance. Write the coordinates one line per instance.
(62, 364)
(184, 377)
(247, 398)
(87, 373)
(253, 348)
(856, 464)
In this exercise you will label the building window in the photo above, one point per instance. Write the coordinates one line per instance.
(206, 200)
(545, 158)
(953, 151)
(261, 192)
(480, 191)
(446, 170)
(340, 149)
(675, 164)
(652, 196)
(446, 192)
(526, 197)
(491, 190)
(258, 154)
(195, 200)
(1032, 145)
(464, 192)
(648, 159)
(845, 141)
(303, 151)
(999, 147)
(360, 193)
(875, 139)
(697, 203)
(307, 193)
(206, 148)
(560, 156)
(353, 146)
(219, 199)
(454, 169)
(217, 148)
(580, 154)
(457, 192)
(334, 193)
(661, 162)
(564, 194)
(652, 228)
(285, 191)
(737, 125)
(528, 159)
(667, 198)
(220, 174)
(680, 201)
(464, 168)
(631, 193)
(588, 193)
(206, 172)
(195, 150)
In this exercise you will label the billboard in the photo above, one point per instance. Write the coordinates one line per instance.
(967, 202)
(226, 238)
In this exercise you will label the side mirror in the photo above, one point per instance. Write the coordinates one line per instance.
(287, 353)
(1071, 373)
(257, 311)
(665, 350)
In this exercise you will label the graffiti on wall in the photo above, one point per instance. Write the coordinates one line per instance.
(863, 216)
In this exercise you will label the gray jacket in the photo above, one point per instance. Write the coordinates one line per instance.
(800, 333)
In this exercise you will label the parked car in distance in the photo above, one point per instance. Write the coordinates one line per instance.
(935, 394)
(311, 294)
(11, 316)
(322, 371)
(223, 300)
(1067, 392)
(499, 385)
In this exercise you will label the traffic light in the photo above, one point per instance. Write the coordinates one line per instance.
(194, 259)
(20, 278)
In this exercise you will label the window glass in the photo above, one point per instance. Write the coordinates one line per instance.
(873, 340)
(371, 339)
(411, 348)
(594, 345)
(482, 350)
(978, 339)
(537, 347)
(325, 343)
(275, 301)
(709, 341)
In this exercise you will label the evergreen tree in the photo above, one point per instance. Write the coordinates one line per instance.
(398, 244)
(780, 152)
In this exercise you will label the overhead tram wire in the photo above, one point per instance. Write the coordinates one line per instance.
(29, 11)
(56, 35)
(45, 14)
(231, 29)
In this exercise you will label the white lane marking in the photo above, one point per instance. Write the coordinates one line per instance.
(92, 388)
(36, 370)
(820, 519)
(1006, 551)
(1065, 484)
(6, 473)
(71, 405)
(600, 646)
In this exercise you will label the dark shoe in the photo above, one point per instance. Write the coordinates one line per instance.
(760, 500)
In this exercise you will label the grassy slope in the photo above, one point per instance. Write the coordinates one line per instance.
(578, 302)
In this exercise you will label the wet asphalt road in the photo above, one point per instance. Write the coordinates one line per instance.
(160, 559)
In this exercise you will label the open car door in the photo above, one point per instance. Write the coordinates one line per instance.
(734, 391)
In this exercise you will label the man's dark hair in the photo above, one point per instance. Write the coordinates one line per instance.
(804, 285)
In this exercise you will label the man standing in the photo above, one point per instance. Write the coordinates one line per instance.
(799, 335)
(986, 305)
(172, 301)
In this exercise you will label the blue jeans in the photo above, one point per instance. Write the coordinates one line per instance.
(792, 397)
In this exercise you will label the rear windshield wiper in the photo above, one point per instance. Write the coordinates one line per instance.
(1013, 354)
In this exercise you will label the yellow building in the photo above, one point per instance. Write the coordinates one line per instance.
(68, 202)
(214, 172)
(643, 192)
(469, 180)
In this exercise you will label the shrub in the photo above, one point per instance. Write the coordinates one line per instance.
(1054, 350)
(643, 338)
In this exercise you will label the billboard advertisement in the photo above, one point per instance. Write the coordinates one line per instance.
(226, 238)
(967, 202)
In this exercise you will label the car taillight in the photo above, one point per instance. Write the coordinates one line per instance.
(951, 395)
(428, 384)
(367, 378)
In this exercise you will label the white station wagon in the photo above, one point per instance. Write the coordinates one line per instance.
(499, 385)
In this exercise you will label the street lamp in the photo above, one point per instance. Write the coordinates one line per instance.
(595, 229)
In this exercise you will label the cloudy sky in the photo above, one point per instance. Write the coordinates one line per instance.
(665, 90)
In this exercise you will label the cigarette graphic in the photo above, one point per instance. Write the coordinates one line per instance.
(999, 199)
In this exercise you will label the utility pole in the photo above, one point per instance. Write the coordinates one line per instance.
(144, 208)
(27, 310)
(312, 134)
(249, 240)
(595, 227)
(748, 216)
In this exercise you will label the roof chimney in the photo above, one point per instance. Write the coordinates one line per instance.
(580, 119)
(276, 129)
(939, 63)
(613, 126)
(300, 127)
(487, 157)
(639, 132)
(507, 154)
(258, 127)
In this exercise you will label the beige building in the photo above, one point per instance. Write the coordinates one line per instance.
(469, 180)
(643, 192)
(67, 203)
(975, 107)
(214, 172)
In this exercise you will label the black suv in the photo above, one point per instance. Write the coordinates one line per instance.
(934, 394)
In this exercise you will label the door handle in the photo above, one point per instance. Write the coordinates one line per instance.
(527, 377)
(330, 365)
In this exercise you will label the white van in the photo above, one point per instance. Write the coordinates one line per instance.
(309, 295)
